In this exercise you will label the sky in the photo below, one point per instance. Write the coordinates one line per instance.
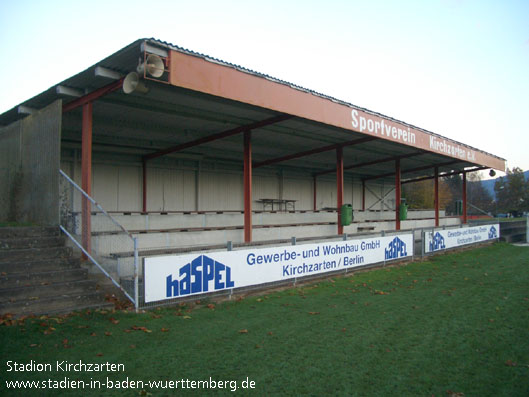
(459, 68)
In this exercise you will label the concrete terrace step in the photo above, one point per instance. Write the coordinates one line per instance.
(29, 231)
(31, 242)
(32, 254)
(26, 279)
(35, 292)
(56, 304)
(44, 265)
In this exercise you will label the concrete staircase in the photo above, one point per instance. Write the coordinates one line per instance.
(38, 274)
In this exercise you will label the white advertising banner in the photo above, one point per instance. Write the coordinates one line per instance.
(168, 277)
(438, 240)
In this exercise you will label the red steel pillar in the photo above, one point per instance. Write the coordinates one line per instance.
(397, 194)
(314, 185)
(464, 197)
(247, 187)
(86, 179)
(144, 187)
(363, 195)
(339, 186)
(436, 195)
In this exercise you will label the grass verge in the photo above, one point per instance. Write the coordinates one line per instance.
(458, 323)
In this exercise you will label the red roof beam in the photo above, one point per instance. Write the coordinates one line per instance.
(220, 135)
(313, 151)
(384, 160)
(426, 167)
(107, 89)
(424, 178)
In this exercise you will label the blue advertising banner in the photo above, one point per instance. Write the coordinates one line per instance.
(168, 277)
(438, 240)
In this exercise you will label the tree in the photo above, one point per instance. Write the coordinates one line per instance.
(477, 195)
(512, 192)
(420, 195)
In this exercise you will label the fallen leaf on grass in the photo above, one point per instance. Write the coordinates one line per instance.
(454, 394)
(313, 313)
(113, 320)
(108, 333)
(33, 345)
(144, 329)
(93, 334)
(211, 306)
(243, 331)
(187, 317)
(165, 329)
(510, 363)
(132, 346)
(99, 354)
(270, 333)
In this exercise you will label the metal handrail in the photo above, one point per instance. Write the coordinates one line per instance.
(135, 300)
(95, 203)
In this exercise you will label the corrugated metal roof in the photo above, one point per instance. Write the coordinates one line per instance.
(297, 87)
(126, 60)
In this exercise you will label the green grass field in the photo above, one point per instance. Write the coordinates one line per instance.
(457, 324)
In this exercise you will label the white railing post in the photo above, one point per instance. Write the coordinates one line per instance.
(136, 293)
(527, 228)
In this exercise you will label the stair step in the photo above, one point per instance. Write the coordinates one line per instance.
(36, 292)
(45, 265)
(39, 275)
(28, 231)
(32, 254)
(26, 279)
(31, 242)
(56, 304)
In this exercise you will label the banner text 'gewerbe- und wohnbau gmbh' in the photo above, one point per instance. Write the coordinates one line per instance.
(168, 277)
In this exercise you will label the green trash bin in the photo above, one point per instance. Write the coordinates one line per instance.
(459, 207)
(346, 214)
(403, 211)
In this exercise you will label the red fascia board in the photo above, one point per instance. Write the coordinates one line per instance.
(201, 75)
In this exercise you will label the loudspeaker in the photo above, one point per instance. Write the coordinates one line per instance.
(153, 66)
(132, 83)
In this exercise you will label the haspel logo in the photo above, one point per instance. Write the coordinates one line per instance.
(396, 249)
(493, 233)
(437, 242)
(202, 274)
